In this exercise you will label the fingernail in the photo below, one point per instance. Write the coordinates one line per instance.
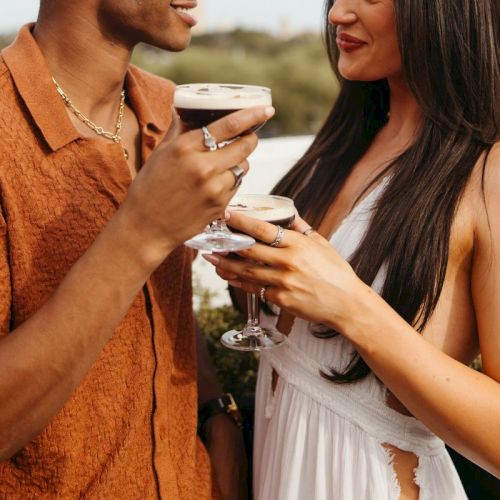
(269, 111)
(227, 215)
(234, 283)
(213, 259)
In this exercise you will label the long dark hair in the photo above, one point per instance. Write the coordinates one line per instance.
(450, 59)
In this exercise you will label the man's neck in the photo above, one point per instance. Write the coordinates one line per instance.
(88, 66)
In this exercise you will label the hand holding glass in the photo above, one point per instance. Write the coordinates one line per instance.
(198, 105)
(276, 210)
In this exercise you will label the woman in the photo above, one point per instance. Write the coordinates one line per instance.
(404, 180)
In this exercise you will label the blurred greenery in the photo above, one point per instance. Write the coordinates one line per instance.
(477, 364)
(5, 40)
(296, 69)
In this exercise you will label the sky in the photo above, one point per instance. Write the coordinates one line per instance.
(270, 15)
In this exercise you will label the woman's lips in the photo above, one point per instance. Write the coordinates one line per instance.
(348, 43)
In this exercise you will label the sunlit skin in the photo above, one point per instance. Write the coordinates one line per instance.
(113, 28)
(428, 374)
(155, 22)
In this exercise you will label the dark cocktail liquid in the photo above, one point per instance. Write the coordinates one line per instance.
(197, 118)
(285, 223)
(200, 104)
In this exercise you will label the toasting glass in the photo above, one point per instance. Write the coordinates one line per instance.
(280, 211)
(198, 105)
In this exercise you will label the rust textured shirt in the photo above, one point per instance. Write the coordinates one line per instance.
(129, 430)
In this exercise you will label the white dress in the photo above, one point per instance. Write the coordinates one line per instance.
(316, 440)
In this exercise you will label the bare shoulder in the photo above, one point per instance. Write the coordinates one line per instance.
(488, 172)
(492, 170)
(485, 198)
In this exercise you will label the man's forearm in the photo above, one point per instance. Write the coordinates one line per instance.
(44, 359)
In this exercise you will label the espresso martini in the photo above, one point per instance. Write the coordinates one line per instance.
(279, 211)
(199, 104)
(276, 210)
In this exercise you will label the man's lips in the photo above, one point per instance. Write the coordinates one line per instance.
(183, 8)
(349, 43)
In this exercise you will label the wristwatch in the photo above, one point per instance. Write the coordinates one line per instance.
(223, 404)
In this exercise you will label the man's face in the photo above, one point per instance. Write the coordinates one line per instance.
(165, 24)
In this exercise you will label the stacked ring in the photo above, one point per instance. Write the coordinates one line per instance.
(279, 237)
(238, 173)
(209, 140)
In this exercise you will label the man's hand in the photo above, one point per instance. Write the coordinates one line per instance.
(224, 442)
(183, 186)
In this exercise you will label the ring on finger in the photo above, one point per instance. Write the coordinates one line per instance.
(209, 140)
(279, 237)
(238, 173)
(262, 294)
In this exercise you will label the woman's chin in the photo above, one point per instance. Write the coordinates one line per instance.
(353, 74)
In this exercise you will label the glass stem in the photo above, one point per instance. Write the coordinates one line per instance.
(253, 308)
(219, 225)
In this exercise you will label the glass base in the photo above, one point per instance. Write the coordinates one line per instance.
(253, 339)
(220, 241)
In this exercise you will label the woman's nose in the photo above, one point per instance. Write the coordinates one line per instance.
(342, 12)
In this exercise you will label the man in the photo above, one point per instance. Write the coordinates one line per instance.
(98, 393)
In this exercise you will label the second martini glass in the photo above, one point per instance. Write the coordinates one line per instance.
(280, 211)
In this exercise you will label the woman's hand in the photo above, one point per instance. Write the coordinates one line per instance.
(183, 185)
(305, 275)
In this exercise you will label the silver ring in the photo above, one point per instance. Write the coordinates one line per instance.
(279, 237)
(308, 231)
(238, 173)
(209, 140)
(262, 294)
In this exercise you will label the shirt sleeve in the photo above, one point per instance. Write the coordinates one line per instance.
(5, 281)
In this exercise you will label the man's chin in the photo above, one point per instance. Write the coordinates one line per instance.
(177, 45)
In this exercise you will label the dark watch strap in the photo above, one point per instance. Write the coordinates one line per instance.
(225, 403)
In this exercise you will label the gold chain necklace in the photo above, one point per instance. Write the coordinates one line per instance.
(116, 137)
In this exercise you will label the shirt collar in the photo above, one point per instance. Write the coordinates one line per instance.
(143, 91)
(33, 81)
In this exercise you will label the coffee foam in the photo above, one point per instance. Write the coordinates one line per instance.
(263, 207)
(220, 96)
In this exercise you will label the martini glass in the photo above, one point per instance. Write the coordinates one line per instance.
(280, 211)
(198, 105)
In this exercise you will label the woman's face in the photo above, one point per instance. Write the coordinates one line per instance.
(367, 39)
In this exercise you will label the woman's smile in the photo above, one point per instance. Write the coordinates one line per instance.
(349, 43)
